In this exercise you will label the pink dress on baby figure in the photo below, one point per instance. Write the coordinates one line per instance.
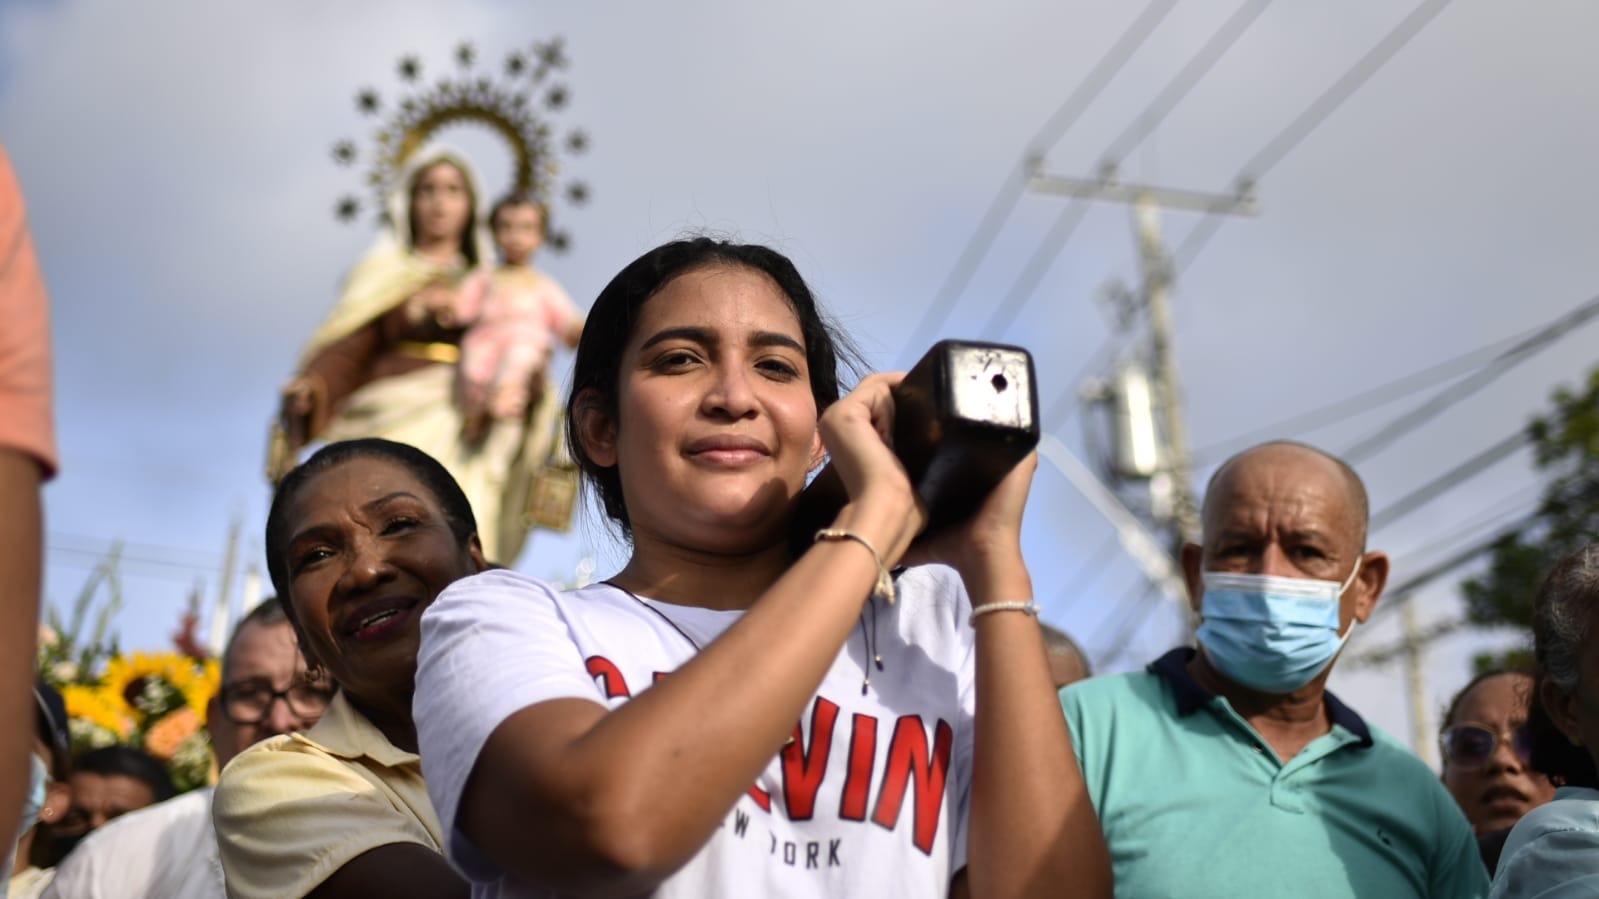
(513, 314)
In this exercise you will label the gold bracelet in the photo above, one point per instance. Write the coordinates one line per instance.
(1024, 605)
(885, 581)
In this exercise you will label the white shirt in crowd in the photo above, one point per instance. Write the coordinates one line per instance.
(870, 801)
(165, 851)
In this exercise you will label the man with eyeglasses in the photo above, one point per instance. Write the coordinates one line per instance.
(169, 851)
(1228, 770)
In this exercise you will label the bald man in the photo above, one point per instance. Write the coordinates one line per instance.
(1068, 664)
(1230, 770)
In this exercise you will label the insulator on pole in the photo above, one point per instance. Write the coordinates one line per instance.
(1136, 449)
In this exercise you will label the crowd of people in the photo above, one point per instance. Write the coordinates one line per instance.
(879, 713)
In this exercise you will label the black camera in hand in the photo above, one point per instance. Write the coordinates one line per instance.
(964, 416)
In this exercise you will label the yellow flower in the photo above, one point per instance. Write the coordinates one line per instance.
(205, 686)
(182, 673)
(165, 736)
(92, 704)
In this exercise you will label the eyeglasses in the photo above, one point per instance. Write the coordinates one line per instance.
(249, 702)
(1470, 745)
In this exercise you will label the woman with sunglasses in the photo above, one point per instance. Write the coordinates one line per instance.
(1553, 851)
(1486, 749)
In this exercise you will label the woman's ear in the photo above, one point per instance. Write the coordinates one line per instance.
(474, 549)
(312, 663)
(57, 799)
(596, 430)
(818, 452)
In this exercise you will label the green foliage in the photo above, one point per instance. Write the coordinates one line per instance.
(1485, 662)
(67, 655)
(1566, 449)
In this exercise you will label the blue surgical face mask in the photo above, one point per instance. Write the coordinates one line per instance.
(1274, 634)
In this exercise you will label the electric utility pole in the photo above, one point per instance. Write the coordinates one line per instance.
(222, 612)
(1415, 645)
(1171, 485)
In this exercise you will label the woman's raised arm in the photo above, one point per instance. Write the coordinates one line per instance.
(1033, 827)
(579, 799)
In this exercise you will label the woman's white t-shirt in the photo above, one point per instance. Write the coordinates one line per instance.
(871, 800)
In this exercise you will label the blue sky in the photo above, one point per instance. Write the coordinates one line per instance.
(175, 158)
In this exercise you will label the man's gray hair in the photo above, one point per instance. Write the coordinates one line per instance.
(1562, 617)
(269, 611)
(1058, 641)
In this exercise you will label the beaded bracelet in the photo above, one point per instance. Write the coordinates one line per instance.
(1025, 605)
(885, 581)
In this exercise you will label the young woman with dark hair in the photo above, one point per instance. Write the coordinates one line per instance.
(1486, 746)
(719, 717)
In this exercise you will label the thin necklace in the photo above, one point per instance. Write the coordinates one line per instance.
(869, 643)
(673, 624)
(659, 614)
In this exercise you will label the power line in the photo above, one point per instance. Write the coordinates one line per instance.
(1085, 576)
(1307, 121)
(1063, 407)
(1403, 592)
(1516, 506)
(1195, 241)
(1450, 479)
(1011, 190)
(1138, 587)
(1133, 602)
(1043, 256)
(1137, 33)
(1121, 641)
(158, 573)
(173, 554)
(1175, 90)
(130, 558)
(1341, 90)
(1360, 403)
(1525, 348)
(1372, 658)
(1317, 112)
(1048, 249)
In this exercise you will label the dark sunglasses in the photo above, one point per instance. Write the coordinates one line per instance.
(1471, 745)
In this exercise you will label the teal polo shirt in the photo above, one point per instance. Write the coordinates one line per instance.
(1195, 804)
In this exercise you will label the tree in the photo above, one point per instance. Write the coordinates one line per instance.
(1566, 450)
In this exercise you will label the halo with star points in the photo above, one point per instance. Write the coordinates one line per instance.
(516, 105)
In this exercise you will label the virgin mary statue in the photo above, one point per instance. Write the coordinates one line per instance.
(383, 362)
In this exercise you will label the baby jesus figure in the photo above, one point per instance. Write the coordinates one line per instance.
(512, 314)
